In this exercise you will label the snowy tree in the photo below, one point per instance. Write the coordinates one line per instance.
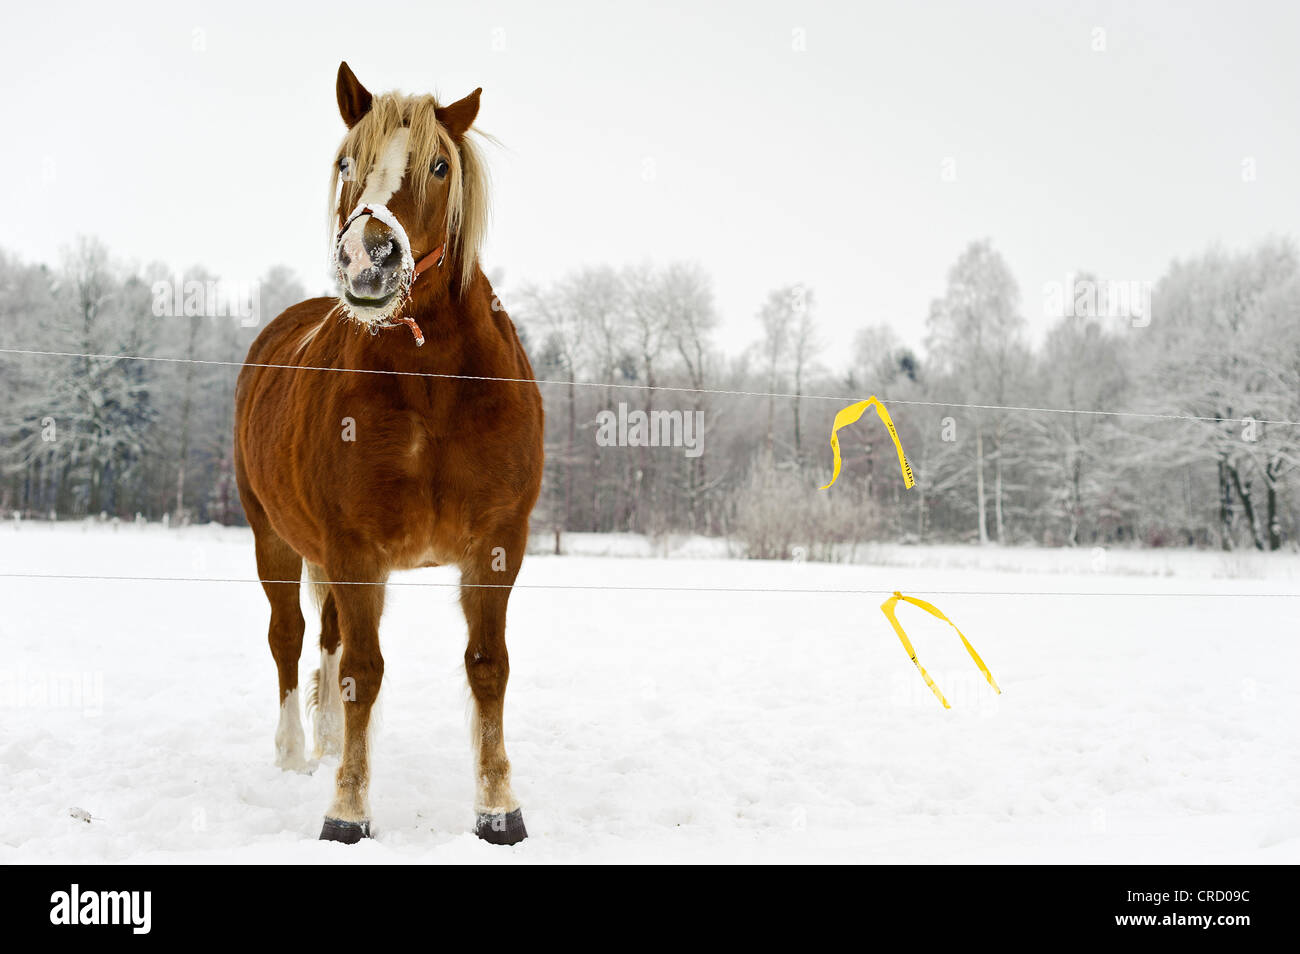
(1209, 356)
(974, 338)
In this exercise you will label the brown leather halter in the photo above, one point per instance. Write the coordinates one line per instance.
(432, 260)
(424, 264)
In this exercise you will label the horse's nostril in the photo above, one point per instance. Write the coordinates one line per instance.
(344, 258)
(392, 260)
(380, 244)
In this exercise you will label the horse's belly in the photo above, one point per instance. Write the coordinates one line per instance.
(422, 544)
(332, 502)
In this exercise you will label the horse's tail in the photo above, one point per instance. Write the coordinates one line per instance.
(317, 584)
(319, 590)
(313, 694)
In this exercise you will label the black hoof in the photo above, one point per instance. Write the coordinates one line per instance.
(507, 829)
(345, 831)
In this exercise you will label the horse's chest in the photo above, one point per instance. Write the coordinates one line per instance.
(387, 446)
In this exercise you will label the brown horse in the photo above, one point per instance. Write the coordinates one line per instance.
(367, 441)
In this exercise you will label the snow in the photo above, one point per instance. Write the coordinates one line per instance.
(670, 726)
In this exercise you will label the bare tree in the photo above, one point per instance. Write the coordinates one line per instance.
(805, 346)
(777, 318)
(973, 333)
(558, 314)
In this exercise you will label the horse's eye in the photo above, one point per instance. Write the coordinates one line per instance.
(439, 168)
(345, 167)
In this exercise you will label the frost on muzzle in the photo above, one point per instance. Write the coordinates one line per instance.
(372, 263)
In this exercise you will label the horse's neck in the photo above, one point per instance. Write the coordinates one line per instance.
(457, 328)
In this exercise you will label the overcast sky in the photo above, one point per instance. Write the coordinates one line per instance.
(772, 142)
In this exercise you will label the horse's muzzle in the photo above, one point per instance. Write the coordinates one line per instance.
(372, 261)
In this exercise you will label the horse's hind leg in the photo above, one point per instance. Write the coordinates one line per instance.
(361, 670)
(490, 574)
(277, 561)
(324, 698)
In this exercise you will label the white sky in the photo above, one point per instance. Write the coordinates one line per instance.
(770, 165)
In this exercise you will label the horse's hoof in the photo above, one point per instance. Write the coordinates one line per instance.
(301, 766)
(347, 832)
(504, 829)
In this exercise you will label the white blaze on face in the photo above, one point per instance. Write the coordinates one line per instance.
(386, 177)
(382, 183)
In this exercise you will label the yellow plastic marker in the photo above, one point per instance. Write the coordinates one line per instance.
(849, 415)
(888, 608)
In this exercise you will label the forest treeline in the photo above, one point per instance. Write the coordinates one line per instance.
(1198, 376)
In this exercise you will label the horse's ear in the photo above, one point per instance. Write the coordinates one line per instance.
(354, 99)
(459, 116)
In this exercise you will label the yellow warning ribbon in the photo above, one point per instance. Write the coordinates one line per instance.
(850, 415)
(889, 609)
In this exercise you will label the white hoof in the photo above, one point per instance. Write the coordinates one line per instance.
(300, 764)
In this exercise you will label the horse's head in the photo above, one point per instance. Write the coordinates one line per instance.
(408, 195)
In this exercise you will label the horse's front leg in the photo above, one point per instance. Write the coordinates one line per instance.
(486, 579)
(361, 670)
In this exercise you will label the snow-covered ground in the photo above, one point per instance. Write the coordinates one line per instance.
(671, 726)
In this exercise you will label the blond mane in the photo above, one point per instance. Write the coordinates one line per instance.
(467, 205)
